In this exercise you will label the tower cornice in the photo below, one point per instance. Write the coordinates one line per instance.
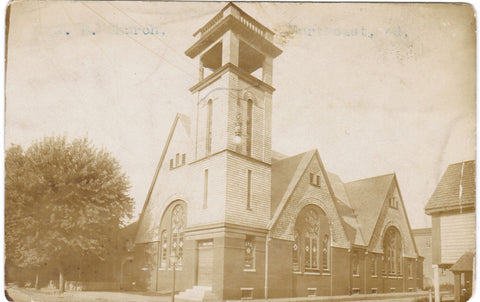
(238, 71)
(242, 25)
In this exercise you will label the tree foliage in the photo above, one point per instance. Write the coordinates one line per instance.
(64, 201)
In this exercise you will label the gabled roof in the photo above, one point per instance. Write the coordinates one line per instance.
(345, 210)
(185, 121)
(456, 188)
(276, 156)
(285, 175)
(464, 263)
(367, 197)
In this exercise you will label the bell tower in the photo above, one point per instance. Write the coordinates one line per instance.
(231, 148)
(235, 56)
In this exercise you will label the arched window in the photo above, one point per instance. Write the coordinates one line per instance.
(163, 247)
(311, 247)
(325, 252)
(249, 126)
(296, 253)
(177, 227)
(392, 248)
(208, 134)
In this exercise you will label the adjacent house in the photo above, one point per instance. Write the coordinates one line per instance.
(452, 207)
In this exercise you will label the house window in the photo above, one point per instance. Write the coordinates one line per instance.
(311, 238)
(410, 270)
(315, 179)
(208, 137)
(205, 189)
(249, 253)
(184, 159)
(394, 202)
(163, 253)
(355, 264)
(171, 164)
(177, 159)
(374, 265)
(249, 189)
(249, 126)
(247, 293)
(178, 225)
(296, 253)
(392, 247)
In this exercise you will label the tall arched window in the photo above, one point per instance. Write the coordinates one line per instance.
(208, 134)
(392, 248)
(311, 240)
(249, 126)
(177, 227)
(296, 253)
(163, 247)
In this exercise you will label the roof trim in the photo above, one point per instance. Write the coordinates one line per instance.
(291, 186)
(157, 171)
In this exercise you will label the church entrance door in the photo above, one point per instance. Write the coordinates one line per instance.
(205, 263)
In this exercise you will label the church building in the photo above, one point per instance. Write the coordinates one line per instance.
(237, 220)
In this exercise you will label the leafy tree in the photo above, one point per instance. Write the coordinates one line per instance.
(64, 201)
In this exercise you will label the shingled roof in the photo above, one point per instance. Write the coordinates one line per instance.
(464, 263)
(284, 174)
(367, 197)
(455, 190)
(358, 203)
(345, 210)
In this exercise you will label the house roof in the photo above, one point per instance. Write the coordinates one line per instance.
(367, 197)
(464, 263)
(456, 188)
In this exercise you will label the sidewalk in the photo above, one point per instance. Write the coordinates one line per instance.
(31, 295)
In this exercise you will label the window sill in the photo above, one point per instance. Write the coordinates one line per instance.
(312, 273)
(297, 273)
(374, 276)
(250, 270)
(356, 276)
(410, 278)
(326, 274)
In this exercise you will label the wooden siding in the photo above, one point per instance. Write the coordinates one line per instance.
(457, 235)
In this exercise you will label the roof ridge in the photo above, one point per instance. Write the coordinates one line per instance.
(369, 178)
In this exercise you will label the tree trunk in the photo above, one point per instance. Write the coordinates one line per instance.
(37, 286)
(61, 282)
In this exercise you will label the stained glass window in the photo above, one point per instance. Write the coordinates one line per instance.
(178, 224)
(311, 240)
(392, 247)
(325, 251)
(163, 247)
(249, 252)
(296, 252)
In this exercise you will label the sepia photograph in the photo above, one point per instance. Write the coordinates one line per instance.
(221, 151)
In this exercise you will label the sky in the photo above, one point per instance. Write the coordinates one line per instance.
(376, 88)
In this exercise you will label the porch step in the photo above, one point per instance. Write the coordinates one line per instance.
(196, 294)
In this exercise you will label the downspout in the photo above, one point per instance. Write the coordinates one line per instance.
(267, 239)
(331, 269)
(365, 271)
